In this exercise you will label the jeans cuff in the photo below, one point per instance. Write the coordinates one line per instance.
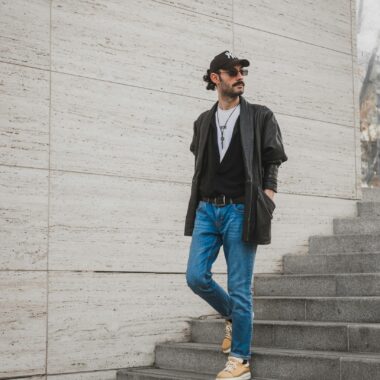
(244, 357)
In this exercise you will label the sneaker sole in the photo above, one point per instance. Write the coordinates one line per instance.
(227, 351)
(245, 376)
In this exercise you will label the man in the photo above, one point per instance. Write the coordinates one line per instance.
(238, 149)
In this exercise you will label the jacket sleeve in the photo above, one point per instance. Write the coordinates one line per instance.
(272, 150)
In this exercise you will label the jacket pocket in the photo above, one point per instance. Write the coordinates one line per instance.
(270, 203)
(264, 208)
(266, 201)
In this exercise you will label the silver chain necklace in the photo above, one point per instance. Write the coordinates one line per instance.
(223, 127)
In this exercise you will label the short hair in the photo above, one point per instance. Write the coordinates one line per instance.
(210, 84)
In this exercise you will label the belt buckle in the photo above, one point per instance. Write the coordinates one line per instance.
(220, 204)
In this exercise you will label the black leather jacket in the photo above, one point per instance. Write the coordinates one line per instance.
(257, 123)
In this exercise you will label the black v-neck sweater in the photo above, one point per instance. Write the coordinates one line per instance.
(226, 177)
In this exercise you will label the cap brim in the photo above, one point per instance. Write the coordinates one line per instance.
(244, 62)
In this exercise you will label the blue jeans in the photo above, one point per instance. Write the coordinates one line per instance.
(214, 226)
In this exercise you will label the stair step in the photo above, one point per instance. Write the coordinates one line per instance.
(273, 362)
(151, 373)
(147, 373)
(371, 194)
(317, 284)
(357, 226)
(309, 335)
(332, 263)
(329, 309)
(364, 243)
(368, 209)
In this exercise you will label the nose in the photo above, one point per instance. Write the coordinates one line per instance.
(239, 76)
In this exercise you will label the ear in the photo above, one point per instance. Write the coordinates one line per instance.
(214, 78)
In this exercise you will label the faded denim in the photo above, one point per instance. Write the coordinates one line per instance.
(216, 226)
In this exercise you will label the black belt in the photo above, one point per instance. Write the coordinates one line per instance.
(222, 200)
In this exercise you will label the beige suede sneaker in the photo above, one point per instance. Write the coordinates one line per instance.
(235, 370)
(226, 344)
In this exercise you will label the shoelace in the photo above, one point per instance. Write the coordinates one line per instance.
(230, 366)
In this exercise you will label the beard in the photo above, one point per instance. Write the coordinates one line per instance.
(231, 91)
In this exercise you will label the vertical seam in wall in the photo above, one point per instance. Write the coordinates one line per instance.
(233, 26)
(48, 202)
(353, 100)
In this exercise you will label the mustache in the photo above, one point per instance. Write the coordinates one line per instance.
(237, 83)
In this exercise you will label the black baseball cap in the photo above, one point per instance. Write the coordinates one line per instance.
(226, 60)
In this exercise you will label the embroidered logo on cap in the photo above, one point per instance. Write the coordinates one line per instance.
(230, 55)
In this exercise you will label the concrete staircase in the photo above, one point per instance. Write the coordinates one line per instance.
(319, 320)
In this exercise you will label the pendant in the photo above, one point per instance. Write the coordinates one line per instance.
(221, 130)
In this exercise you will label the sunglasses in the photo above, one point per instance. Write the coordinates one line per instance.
(233, 72)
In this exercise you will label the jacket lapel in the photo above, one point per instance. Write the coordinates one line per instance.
(204, 129)
(247, 136)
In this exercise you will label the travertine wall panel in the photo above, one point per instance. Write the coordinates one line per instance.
(355, 99)
(221, 9)
(23, 323)
(24, 116)
(100, 320)
(97, 375)
(297, 78)
(98, 127)
(24, 218)
(25, 32)
(154, 46)
(116, 223)
(28, 378)
(324, 23)
(314, 148)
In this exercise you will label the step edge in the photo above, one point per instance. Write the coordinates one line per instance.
(350, 253)
(289, 275)
(359, 217)
(279, 351)
(342, 235)
(298, 323)
(352, 298)
(146, 370)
